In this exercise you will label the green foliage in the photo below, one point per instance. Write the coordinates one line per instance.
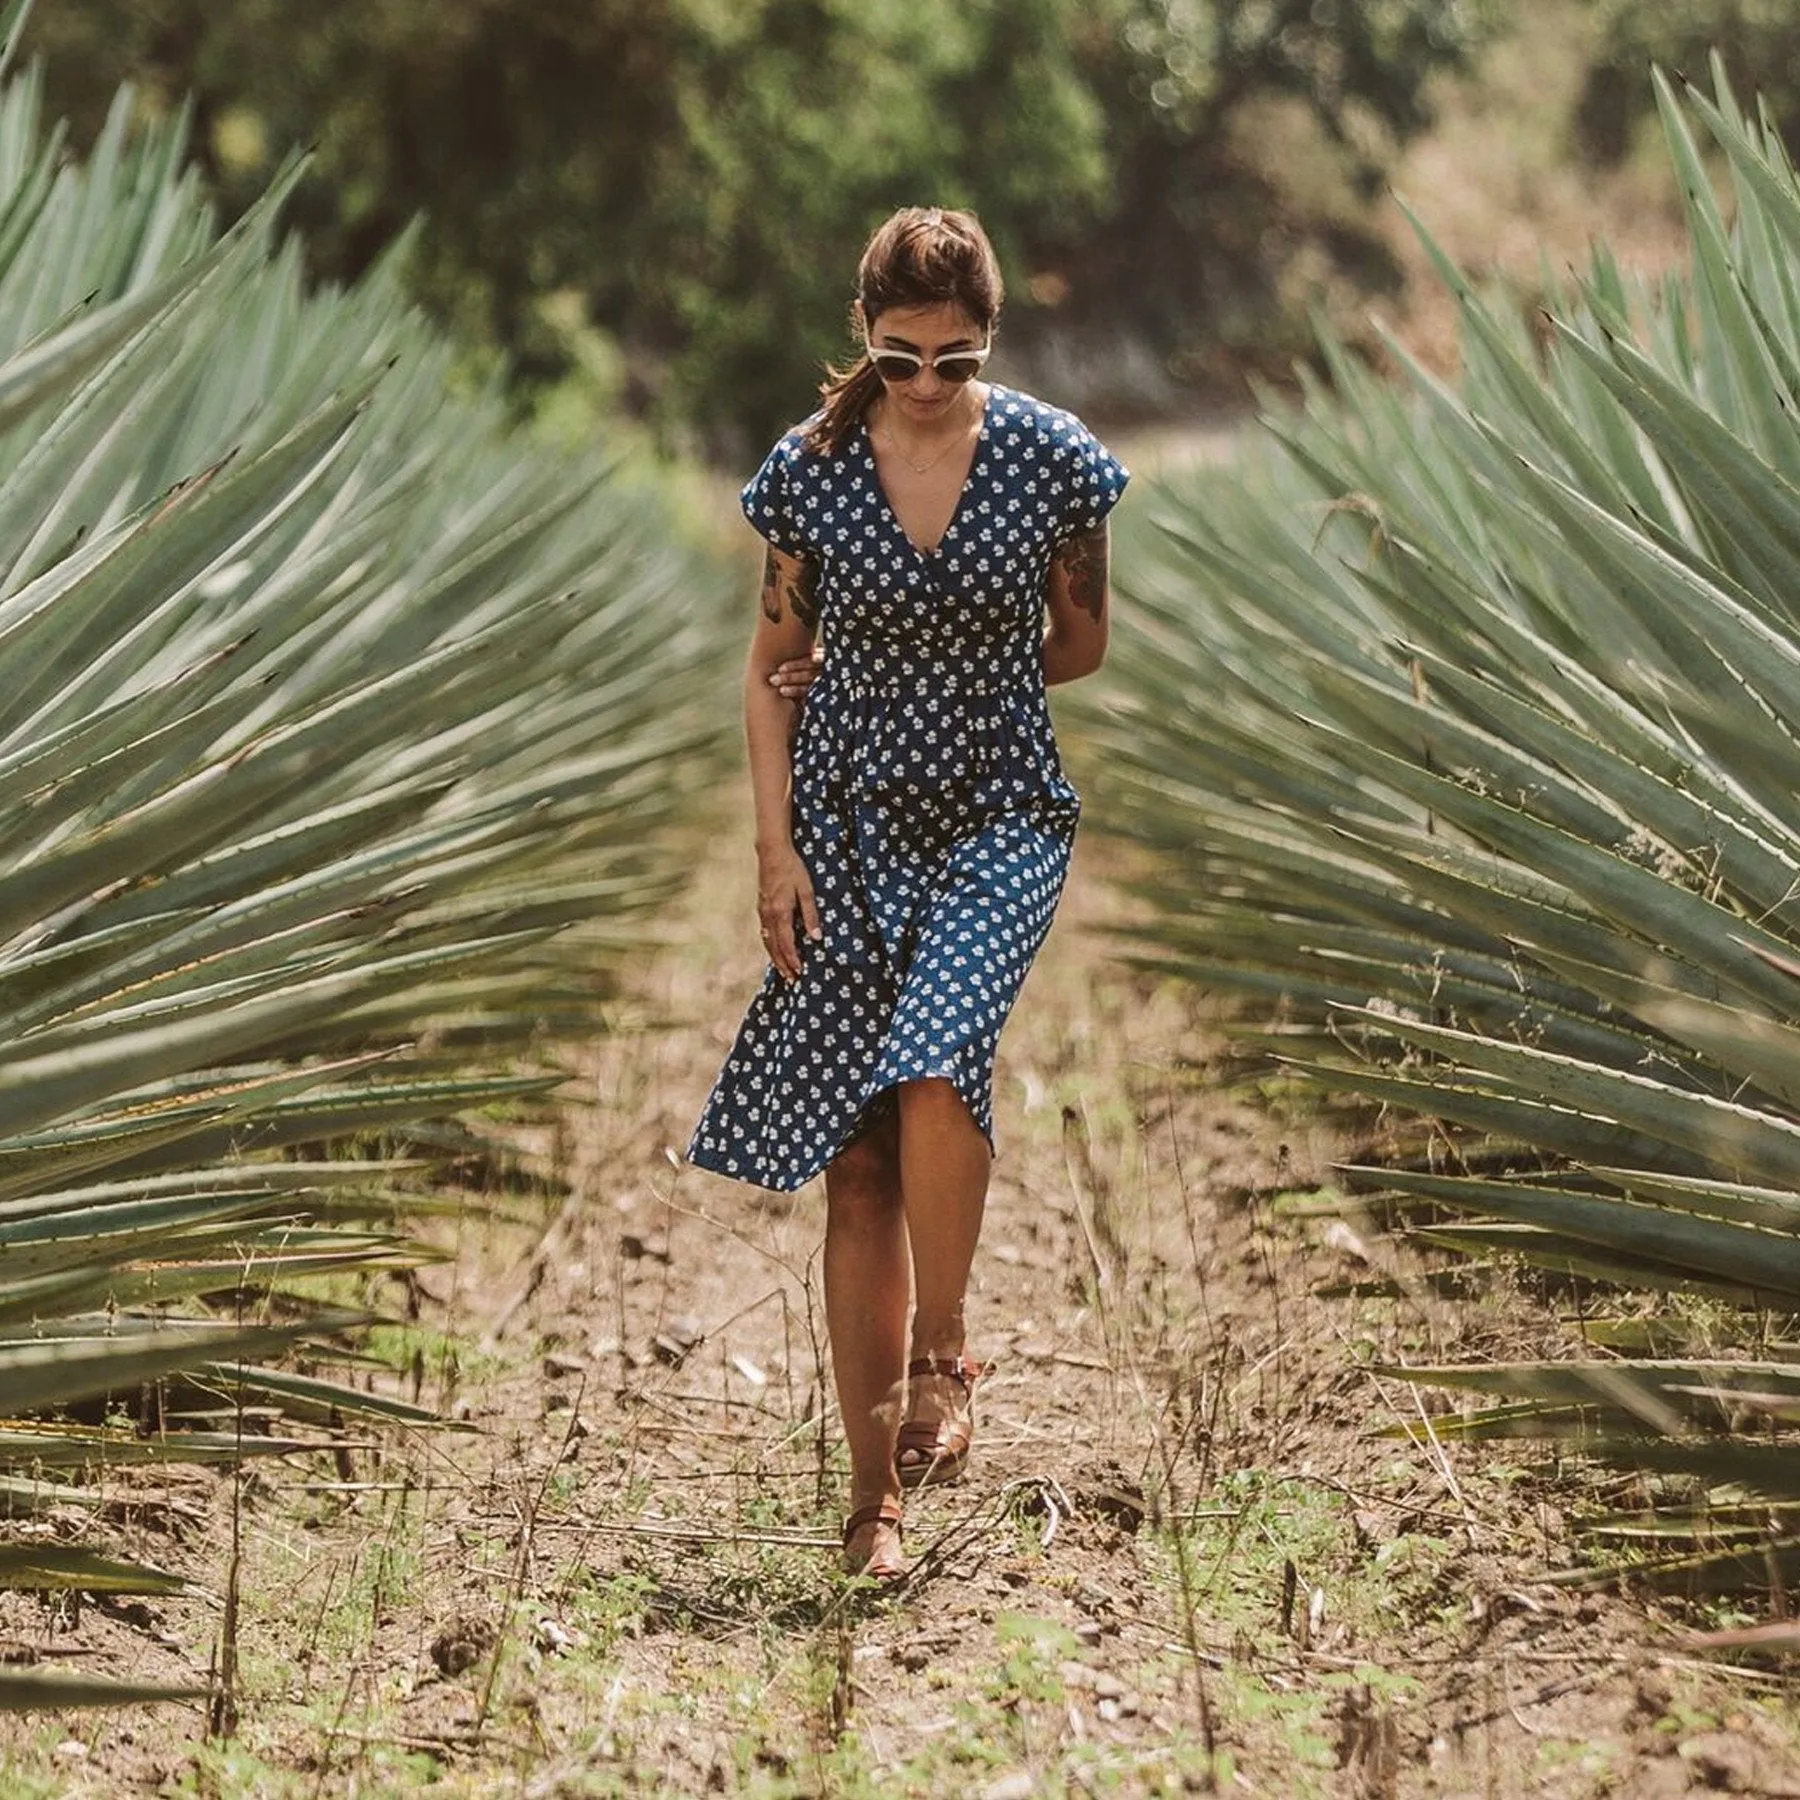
(332, 712)
(765, 202)
(1199, 223)
(702, 174)
(1355, 65)
(699, 176)
(1462, 719)
(1758, 41)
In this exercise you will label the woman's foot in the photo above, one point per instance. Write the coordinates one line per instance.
(872, 1541)
(935, 1440)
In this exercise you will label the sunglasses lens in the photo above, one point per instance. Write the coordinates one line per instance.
(957, 369)
(891, 366)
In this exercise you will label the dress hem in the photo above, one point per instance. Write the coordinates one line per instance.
(699, 1160)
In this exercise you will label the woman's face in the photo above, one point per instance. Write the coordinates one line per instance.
(926, 331)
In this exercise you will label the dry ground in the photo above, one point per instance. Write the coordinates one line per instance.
(1199, 1546)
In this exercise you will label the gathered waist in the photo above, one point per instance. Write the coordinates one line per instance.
(860, 675)
(901, 725)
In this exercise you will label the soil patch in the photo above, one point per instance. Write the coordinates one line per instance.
(1199, 1547)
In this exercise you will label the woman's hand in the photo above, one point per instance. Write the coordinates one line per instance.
(784, 892)
(792, 678)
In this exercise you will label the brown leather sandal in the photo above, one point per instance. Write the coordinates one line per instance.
(939, 1451)
(883, 1512)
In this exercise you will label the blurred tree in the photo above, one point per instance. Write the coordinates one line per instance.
(802, 124)
(687, 182)
(1200, 231)
(700, 172)
(1758, 40)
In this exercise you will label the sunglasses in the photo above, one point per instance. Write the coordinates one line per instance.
(953, 366)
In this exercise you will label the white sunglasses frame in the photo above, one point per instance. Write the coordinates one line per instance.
(980, 356)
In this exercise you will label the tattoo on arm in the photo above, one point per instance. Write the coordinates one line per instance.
(801, 593)
(1084, 558)
(771, 589)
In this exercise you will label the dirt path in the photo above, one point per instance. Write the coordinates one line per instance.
(1185, 1555)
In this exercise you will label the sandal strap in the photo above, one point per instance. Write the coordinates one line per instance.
(957, 1368)
(947, 1441)
(882, 1512)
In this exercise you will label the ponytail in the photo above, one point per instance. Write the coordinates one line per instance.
(846, 395)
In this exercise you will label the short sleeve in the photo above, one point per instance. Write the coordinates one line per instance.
(1094, 479)
(769, 501)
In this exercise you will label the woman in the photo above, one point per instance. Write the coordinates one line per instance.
(913, 823)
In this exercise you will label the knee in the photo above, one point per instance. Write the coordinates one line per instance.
(930, 1100)
(862, 1186)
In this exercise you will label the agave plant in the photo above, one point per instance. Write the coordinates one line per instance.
(1466, 719)
(340, 731)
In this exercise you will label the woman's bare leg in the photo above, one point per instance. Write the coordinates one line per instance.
(866, 1282)
(944, 1167)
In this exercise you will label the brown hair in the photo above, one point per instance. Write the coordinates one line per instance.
(922, 256)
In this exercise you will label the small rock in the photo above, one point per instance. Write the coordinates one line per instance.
(1652, 1695)
(560, 1363)
(1015, 1785)
(677, 1337)
(1108, 1686)
(1315, 1614)
(1665, 1780)
(1720, 1760)
(556, 1637)
(461, 1644)
(1075, 1676)
(74, 1750)
(1339, 1237)
(1010, 1254)
(1108, 1710)
(1088, 1631)
(1119, 1499)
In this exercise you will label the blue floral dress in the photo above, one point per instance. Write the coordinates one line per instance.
(929, 805)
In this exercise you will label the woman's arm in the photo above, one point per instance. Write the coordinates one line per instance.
(785, 624)
(1075, 643)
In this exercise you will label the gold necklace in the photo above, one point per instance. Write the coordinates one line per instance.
(922, 468)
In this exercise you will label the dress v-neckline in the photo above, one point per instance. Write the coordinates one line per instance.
(963, 492)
